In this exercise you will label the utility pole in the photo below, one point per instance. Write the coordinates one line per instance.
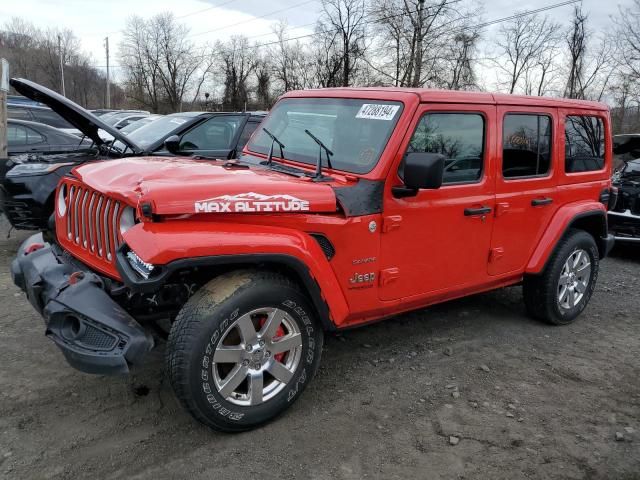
(106, 46)
(61, 65)
(4, 88)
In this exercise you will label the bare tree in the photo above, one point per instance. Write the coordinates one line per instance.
(628, 38)
(460, 56)
(342, 27)
(161, 65)
(521, 44)
(577, 46)
(34, 53)
(238, 61)
(424, 43)
(292, 61)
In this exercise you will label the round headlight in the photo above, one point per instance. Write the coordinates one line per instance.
(62, 200)
(127, 219)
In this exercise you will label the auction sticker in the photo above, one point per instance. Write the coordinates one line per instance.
(374, 111)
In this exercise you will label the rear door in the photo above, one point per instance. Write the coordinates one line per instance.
(526, 181)
(439, 239)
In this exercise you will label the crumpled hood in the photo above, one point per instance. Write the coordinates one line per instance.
(176, 186)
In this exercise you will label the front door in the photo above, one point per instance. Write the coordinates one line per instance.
(440, 239)
(526, 196)
(215, 138)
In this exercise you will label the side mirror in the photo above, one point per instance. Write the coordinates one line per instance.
(172, 144)
(421, 171)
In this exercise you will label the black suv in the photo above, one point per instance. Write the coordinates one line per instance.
(27, 190)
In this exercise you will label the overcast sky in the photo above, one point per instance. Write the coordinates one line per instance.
(92, 20)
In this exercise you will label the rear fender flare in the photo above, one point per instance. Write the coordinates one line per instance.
(593, 213)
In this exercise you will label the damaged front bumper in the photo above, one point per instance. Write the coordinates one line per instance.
(95, 334)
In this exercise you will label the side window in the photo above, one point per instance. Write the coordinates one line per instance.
(249, 128)
(19, 113)
(51, 118)
(217, 133)
(16, 135)
(457, 136)
(584, 144)
(34, 137)
(526, 145)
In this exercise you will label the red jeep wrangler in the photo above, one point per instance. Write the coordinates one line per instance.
(347, 206)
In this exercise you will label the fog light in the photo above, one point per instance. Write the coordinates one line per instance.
(139, 265)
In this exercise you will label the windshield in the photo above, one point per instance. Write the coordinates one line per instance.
(154, 131)
(355, 130)
(137, 124)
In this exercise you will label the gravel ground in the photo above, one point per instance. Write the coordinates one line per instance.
(468, 389)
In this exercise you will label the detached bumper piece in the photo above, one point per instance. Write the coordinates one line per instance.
(94, 333)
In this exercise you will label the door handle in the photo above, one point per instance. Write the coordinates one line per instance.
(471, 212)
(540, 202)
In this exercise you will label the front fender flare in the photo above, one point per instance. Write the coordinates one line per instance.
(562, 221)
(181, 245)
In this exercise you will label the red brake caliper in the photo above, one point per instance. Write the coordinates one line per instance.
(279, 333)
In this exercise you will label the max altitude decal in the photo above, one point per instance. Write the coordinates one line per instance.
(252, 202)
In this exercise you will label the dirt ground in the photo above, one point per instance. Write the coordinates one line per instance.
(524, 400)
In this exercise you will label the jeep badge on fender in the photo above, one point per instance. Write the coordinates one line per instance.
(251, 262)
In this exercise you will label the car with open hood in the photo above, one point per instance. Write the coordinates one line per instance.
(27, 189)
(347, 206)
(624, 218)
(29, 181)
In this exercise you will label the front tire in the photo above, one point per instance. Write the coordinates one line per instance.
(564, 288)
(243, 349)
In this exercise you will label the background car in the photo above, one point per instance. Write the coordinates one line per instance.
(32, 137)
(40, 114)
(98, 112)
(207, 134)
(28, 189)
(133, 126)
(624, 219)
(122, 119)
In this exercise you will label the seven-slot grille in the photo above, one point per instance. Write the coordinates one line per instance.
(93, 221)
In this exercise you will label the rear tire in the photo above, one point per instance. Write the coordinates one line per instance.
(563, 290)
(243, 349)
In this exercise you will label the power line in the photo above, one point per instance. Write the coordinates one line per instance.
(478, 26)
(253, 18)
(206, 9)
(471, 27)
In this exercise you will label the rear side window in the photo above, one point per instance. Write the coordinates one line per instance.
(51, 118)
(526, 145)
(19, 113)
(457, 136)
(584, 143)
(34, 137)
(16, 135)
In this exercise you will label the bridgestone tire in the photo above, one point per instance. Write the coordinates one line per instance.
(203, 324)
(541, 291)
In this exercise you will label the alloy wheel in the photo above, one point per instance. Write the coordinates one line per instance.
(574, 279)
(257, 356)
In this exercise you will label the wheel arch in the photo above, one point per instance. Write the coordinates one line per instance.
(212, 250)
(589, 217)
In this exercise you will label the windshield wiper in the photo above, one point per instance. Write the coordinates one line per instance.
(273, 140)
(328, 152)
